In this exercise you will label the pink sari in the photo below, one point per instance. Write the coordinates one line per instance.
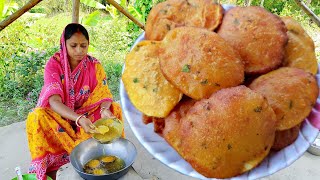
(51, 138)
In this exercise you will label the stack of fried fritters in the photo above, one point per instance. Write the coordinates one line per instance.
(246, 89)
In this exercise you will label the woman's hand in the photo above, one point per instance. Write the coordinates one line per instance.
(106, 113)
(87, 125)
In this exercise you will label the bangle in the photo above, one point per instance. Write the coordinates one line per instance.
(78, 118)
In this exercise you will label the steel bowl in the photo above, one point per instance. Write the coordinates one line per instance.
(91, 149)
(315, 147)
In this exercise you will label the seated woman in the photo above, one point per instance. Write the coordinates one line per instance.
(75, 94)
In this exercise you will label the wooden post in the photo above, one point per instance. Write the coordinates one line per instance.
(18, 13)
(308, 11)
(75, 11)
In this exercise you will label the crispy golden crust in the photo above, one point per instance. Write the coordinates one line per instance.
(199, 62)
(300, 50)
(147, 88)
(285, 138)
(172, 123)
(158, 125)
(229, 133)
(176, 13)
(291, 92)
(258, 35)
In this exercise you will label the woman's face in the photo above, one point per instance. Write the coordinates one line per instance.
(77, 46)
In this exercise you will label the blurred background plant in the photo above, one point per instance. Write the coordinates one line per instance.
(27, 44)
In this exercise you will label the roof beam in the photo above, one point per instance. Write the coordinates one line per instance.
(309, 12)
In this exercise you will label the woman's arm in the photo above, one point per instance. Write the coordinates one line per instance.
(64, 111)
(105, 105)
(105, 110)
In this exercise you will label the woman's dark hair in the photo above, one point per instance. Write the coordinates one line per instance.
(74, 28)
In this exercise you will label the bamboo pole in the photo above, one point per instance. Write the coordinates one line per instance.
(75, 11)
(18, 13)
(309, 12)
(126, 13)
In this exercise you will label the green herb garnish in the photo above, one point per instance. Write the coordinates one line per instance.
(135, 80)
(186, 68)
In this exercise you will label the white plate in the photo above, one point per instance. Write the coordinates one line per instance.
(161, 150)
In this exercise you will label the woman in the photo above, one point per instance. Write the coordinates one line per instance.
(75, 94)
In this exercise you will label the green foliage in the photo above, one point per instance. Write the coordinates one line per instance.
(6, 9)
(110, 43)
(92, 19)
(53, 7)
(113, 70)
(1, 7)
(29, 33)
(93, 3)
(143, 7)
(23, 75)
(21, 84)
(25, 46)
(109, 8)
(315, 7)
(271, 5)
(38, 10)
(109, 39)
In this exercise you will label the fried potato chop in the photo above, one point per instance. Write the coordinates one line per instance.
(300, 50)
(291, 92)
(147, 88)
(285, 138)
(199, 62)
(258, 35)
(172, 123)
(176, 13)
(147, 119)
(229, 133)
(158, 123)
